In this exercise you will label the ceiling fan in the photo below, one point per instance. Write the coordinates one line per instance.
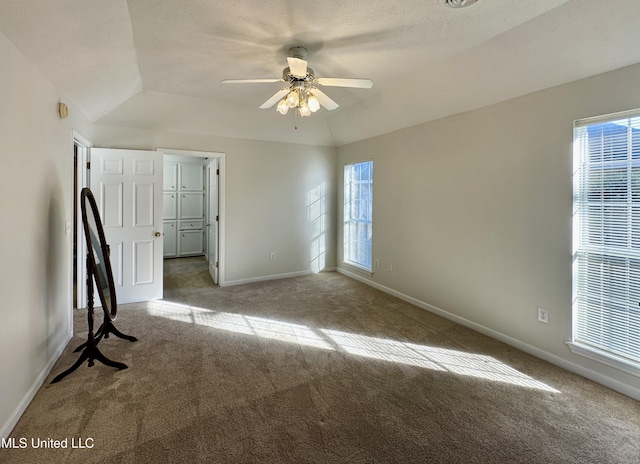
(301, 91)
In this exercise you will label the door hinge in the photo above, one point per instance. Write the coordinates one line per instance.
(217, 218)
(217, 263)
(88, 164)
(217, 172)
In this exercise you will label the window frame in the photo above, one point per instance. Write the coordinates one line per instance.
(608, 239)
(348, 219)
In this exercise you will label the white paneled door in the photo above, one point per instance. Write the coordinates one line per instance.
(127, 185)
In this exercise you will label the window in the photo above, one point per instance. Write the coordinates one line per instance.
(606, 311)
(358, 209)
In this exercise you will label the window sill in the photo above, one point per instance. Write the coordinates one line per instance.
(356, 268)
(605, 358)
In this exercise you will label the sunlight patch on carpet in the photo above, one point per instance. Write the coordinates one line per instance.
(239, 323)
(428, 357)
(442, 359)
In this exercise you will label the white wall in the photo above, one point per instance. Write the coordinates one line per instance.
(271, 200)
(36, 198)
(474, 212)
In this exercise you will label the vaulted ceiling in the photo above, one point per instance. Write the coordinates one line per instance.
(158, 64)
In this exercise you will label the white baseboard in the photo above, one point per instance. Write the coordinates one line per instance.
(621, 387)
(230, 283)
(275, 277)
(31, 393)
(329, 269)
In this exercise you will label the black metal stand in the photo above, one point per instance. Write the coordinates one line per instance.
(90, 351)
(103, 331)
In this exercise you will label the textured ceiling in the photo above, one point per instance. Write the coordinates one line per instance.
(158, 64)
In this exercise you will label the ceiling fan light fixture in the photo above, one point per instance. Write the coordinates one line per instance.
(459, 3)
(314, 104)
(304, 110)
(293, 98)
(283, 107)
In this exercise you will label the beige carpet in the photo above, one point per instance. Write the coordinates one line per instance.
(315, 369)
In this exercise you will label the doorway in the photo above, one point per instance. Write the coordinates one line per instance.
(81, 159)
(212, 220)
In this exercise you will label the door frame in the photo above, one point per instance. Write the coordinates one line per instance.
(221, 200)
(82, 158)
(213, 226)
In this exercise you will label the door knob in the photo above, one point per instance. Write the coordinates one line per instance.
(207, 225)
(157, 234)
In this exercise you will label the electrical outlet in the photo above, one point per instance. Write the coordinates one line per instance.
(390, 267)
(272, 256)
(543, 315)
(376, 262)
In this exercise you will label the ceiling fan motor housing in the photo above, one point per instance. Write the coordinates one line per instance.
(288, 77)
(298, 52)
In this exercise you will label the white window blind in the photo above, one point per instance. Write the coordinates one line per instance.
(358, 214)
(606, 308)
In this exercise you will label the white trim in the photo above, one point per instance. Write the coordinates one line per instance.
(626, 389)
(606, 118)
(603, 357)
(82, 181)
(355, 267)
(222, 248)
(31, 392)
(268, 277)
(82, 139)
(366, 160)
(192, 153)
(187, 159)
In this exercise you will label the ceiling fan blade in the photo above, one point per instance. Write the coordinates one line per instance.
(275, 98)
(250, 81)
(297, 66)
(324, 99)
(345, 82)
